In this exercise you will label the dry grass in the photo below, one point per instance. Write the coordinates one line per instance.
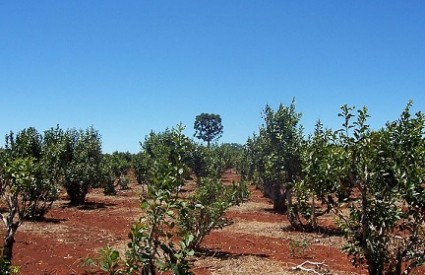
(250, 265)
(59, 231)
(251, 207)
(276, 230)
(67, 235)
(43, 228)
(246, 265)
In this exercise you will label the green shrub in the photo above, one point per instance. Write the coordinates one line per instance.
(152, 246)
(42, 192)
(114, 170)
(240, 192)
(82, 168)
(384, 228)
(172, 225)
(16, 177)
(204, 210)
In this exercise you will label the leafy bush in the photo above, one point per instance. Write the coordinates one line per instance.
(299, 245)
(159, 153)
(114, 169)
(384, 168)
(320, 180)
(207, 162)
(140, 164)
(384, 228)
(240, 192)
(203, 211)
(231, 154)
(32, 169)
(40, 195)
(152, 244)
(172, 225)
(16, 177)
(274, 155)
(200, 163)
(82, 168)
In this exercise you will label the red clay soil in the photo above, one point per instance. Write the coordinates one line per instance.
(69, 234)
(237, 244)
(234, 245)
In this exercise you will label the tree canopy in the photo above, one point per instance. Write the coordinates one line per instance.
(208, 127)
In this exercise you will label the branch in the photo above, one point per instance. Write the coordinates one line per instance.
(73, 270)
(4, 219)
(318, 266)
(340, 215)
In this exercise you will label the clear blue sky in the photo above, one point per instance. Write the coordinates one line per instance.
(128, 67)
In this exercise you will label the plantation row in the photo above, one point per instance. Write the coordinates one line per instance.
(371, 180)
(35, 168)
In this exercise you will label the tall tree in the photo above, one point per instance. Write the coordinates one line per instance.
(208, 127)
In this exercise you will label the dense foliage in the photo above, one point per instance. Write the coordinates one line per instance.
(29, 144)
(373, 181)
(208, 127)
(34, 166)
(173, 225)
(158, 152)
(378, 175)
(213, 161)
(115, 168)
(273, 157)
(16, 178)
(82, 163)
(385, 224)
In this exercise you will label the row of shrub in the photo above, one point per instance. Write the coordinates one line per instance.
(379, 175)
(173, 226)
(33, 169)
(36, 166)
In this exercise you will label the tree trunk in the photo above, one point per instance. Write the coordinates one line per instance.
(277, 197)
(76, 200)
(292, 213)
(313, 212)
(288, 196)
(267, 189)
(9, 240)
(77, 193)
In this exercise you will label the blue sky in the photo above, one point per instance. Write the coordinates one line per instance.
(128, 67)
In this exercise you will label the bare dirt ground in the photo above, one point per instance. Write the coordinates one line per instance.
(257, 241)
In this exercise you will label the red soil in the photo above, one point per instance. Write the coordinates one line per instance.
(69, 234)
(57, 245)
